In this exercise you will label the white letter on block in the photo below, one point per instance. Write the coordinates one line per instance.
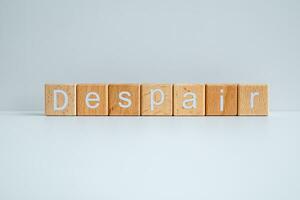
(154, 103)
(55, 96)
(253, 94)
(89, 99)
(125, 99)
(193, 100)
(222, 100)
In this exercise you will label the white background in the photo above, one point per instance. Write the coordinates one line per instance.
(61, 41)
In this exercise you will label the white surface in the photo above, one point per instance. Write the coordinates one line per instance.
(131, 158)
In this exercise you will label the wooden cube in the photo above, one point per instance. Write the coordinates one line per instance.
(92, 99)
(253, 99)
(221, 99)
(157, 99)
(189, 99)
(60, 99)
(124, 99)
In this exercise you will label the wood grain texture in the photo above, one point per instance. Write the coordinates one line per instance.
(114, 91)
(69, 89)
(255, 95)
(182, 108)
(214, 94)
(98, 106)
(165, 108)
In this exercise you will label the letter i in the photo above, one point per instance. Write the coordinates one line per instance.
(221, 100)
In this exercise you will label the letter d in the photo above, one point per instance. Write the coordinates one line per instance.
(55, 103)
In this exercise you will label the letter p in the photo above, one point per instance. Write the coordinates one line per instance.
(153, 101)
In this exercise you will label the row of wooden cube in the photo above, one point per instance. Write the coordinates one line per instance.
(156, 99)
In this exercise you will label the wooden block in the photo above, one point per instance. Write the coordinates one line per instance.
(189, 99)
(124, 99)
(221, 99)
(253, 99)
(60, 99)
(157, 99)
(92, 99)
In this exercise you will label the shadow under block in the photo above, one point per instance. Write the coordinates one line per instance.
(221, 99)
(156, 99)
(253, 99)
(124, 99)
(92, 99)
(60, 99)
(189, 99)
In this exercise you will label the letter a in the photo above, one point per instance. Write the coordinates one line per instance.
(186, 101)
